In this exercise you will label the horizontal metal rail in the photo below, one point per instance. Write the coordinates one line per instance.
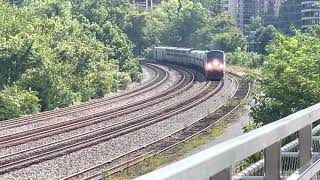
(216, 162)
(287, 151)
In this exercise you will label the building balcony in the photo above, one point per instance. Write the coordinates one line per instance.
(310, 10)
(310, 18)
(308, 2)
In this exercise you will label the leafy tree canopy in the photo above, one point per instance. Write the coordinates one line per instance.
(65, 52)
(15, 101)
(291, 77)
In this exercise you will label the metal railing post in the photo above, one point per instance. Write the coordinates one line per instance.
(272, 161)
(305, 145)
(225, 174)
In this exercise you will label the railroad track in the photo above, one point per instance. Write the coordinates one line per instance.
(160, 76)
(38, 133)
(160, 146)
(49, 151)
(39, 154)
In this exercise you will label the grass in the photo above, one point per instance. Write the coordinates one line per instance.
(160, 160)
(241, 70)
(157, 161)
(121, 176)
(217, 130)
(232, 102)
(178, 153)
(181, 150)
(192, 144)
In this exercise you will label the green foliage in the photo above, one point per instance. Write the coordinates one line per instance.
(184, 21)
(214, 6)
(15, 102)
(291, 77)
(246, 59)
(136, 30)
(100, 11)
(253, 77)
(250, 126)
(190, 24)
(218, 33)
(229, 41)
(259, 35)
(263, 37)
(290, 15)
(67, 52)
(255, 23)
(314, 31)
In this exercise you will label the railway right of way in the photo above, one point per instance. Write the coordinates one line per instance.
(160, 76)
(24, 158)
(161, 146)
(88, 139)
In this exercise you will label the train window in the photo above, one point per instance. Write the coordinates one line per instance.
(215, 55)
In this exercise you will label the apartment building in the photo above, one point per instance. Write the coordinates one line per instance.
(144, 3)
(310, 14)
(243, 10)
(225, 4)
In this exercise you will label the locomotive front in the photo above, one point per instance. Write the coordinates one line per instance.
(215, 65)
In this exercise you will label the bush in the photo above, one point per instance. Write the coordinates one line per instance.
(121, 81)
(148, 53)
(290, 77)
(247, 59)
(15, 102)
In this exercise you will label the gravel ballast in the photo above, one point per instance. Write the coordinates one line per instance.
(174, 76)
(87, 129)
(88, 157)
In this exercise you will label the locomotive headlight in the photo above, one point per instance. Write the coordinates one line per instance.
(214, 65)
(209, 66)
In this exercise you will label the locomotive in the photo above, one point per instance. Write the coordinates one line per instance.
(211, 63)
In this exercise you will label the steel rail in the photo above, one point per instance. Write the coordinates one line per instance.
(155, 82)
(177, 138)
(112, 132)
(161, 145)
(42, 132)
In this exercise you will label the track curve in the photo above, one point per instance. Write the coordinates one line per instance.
(25, 158)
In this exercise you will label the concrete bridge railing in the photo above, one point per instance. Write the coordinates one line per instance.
(216, 162)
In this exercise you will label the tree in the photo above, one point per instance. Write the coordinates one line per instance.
(189, 24)
(229, 41)
(50, 48)
(178, 22)
(100, 11)
(15, 102)
(108, 20)
(255, 24)
(216, 26)
(246, 59)
(290, 15)
(263, 37)
(259, 36)
(290, 77)
(314, 31)
(214, 6)
(136, 30)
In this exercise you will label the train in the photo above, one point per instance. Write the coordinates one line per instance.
(211, 63)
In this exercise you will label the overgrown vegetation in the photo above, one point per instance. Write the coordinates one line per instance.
(156, 161)
(181, 150)
(290, 77)
(65, 52)
(56, 53)
(185, 23)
